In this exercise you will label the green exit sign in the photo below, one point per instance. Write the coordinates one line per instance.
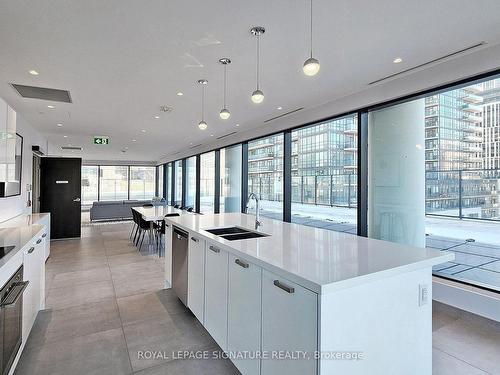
(101, 140)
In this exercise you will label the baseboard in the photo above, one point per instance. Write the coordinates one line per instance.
(466, 297)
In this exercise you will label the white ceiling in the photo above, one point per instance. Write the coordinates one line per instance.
(122, 59)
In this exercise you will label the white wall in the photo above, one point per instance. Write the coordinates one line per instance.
(13, 206)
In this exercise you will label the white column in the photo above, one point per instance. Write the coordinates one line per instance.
(396, 172)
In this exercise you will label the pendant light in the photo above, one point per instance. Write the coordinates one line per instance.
(202, 124)
(311, 65)
(224, 113)
(258, 95)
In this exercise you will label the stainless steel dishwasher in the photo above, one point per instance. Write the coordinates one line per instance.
(180, 264)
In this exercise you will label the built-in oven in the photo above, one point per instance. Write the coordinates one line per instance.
(11, 319)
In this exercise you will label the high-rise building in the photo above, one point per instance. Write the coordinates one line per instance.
(462, 151)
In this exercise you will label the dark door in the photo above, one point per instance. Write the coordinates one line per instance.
(60, 189)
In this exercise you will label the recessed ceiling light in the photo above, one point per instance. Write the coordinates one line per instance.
(157, 117)
(397, 60)
(134, 140)
(143, 130)
(211, 135)
(180, 93)
(59, 124)
(33, 72)
(126, 148)
(279, 108)
(190, 143)
(51, 106)
(237, 124)
(65, 136)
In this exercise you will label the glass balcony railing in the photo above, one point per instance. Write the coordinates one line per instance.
(464, 194)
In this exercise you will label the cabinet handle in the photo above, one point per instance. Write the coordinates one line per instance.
(241, 263)
(285, 287)
(44, 235)
(31, 250)
(214, 249)
(39, 240)
(195, 239)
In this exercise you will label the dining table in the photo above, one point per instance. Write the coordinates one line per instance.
(153, 214)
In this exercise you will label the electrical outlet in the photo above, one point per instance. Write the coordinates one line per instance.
(423, 294)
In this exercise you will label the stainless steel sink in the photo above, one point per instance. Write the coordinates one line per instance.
(243, 236)
(235, 233)
(227, 230)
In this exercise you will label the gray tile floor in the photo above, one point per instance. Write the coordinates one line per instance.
(106, 306)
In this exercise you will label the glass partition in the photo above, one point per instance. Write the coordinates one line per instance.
(90, 177)
(230, 177)
(142, 182)
(113, 184)
(265, 174)
(207, 182)
(190, 182)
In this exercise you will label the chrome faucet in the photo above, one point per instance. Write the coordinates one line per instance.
(257, 209)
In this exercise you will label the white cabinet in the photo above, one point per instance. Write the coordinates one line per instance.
(244, 312)
(196, 276)
(289, 323)
(216, 278)
(168, 255)
(33, 272)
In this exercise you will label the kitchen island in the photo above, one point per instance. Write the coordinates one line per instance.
(308, 300)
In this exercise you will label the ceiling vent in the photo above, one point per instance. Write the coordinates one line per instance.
(438, 60)
(43, 93)
(284, 114)
(71, 148)
(199, 144)
(226, 135)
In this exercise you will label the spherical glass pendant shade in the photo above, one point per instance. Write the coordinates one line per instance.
(257, 96)
(311, 67)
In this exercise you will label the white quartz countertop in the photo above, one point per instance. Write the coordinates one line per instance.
(18, 237)
(157, 212)
(23, 220)
(318, 259)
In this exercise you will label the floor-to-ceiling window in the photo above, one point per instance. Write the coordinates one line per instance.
(178, 182)
(190, 182)
(168, 184)
(90, 177)
(113, 182)
(230, 177)
(142, 182)
(433, 163)
(159, 181)
(265, 174)
(324, 175)
(207, 182)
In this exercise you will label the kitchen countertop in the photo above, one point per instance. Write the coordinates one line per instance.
(18, 237)
(156, 212)
(318, 259)
(23, 220)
